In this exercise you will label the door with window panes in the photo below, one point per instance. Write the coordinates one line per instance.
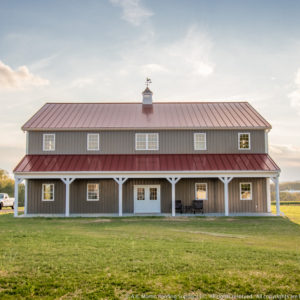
(146, 199)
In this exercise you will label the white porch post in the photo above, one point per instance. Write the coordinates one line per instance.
(268, 195)
(26, 197)
(173, 181)
(16, 204)
(67, 182)
(120, 181)
(226, 181)
(277, 194)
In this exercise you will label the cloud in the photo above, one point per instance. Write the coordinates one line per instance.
(188, 57)
(20, 78)
(192, 52)
(287, 155)
(295, 95)
(133, 11)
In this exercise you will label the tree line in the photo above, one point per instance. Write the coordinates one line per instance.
(7, 185)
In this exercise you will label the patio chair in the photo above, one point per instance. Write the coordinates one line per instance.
(178, 206)
(197, 205)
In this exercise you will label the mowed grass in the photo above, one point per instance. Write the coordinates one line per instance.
(112, 258)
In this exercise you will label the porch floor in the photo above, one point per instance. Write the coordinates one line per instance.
(150, 215)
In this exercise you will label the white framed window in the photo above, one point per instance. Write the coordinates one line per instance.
(47, 192)
(201, 191)
(48, 142)
(92, 192)
(244, 141)
(146, 141)
(245, 191)
(199, 141)
(93, 141)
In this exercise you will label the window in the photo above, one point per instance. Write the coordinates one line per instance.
(49, 142)
(93, 141)
(146, 141)
(141, 194)
(199, 141)
(245, 191)
(153, 193)
(48, 192)
(201, 191)
(92, 192)
(244, 141)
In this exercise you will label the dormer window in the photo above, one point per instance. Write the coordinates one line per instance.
(199, 141)
(93, 142)
(146, 141)
(49, 142)
(244, 141)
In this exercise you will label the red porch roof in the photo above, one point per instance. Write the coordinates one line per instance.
(146, 163)
(160, 115)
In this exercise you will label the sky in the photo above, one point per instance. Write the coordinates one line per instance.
(193, 50)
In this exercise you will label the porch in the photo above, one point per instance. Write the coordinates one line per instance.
(118, 195)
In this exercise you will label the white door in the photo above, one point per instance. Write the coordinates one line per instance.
(146, 199)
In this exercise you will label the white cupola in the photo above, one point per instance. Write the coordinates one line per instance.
(147, 94)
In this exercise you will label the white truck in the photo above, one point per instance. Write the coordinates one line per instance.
(6, 201)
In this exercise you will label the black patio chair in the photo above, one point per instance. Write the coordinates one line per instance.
(197, 205)
(178, 206)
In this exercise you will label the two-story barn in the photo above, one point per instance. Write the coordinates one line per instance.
(93, 159)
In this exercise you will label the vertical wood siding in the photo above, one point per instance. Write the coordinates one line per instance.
(108, 203)
(108, 197)
(170, 141)
(35, 203)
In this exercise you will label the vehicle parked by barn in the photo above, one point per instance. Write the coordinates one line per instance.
(6, 201)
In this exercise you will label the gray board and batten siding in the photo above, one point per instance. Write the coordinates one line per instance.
(108, 202)
(123, 142)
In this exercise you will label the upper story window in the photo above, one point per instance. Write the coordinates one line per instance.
(48, 142)
(245, 191)
(93, 141)
(48, 192)
(92, 192)
(146, 141)
(201, 191)
(244, 141)
(199, 141)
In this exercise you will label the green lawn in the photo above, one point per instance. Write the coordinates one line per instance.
(116, 258)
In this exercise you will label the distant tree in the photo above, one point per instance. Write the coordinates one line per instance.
(7, 185)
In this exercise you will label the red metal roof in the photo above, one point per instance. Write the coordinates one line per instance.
(180, 115)
(146, 163)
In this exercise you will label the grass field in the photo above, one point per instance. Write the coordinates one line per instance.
(119, 258)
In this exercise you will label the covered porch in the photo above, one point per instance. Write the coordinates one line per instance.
(169, 177)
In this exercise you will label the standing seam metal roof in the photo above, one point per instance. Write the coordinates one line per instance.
(161, 115)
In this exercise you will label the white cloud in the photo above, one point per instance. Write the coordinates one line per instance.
(192, 52)
(133, 11)
(295, 95)
(288, 155)
(18, 79)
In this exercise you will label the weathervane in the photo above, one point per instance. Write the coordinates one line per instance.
(148, 81)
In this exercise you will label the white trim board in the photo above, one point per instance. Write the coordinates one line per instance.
(183, 174)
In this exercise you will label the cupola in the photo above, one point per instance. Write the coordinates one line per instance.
(147, 93)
